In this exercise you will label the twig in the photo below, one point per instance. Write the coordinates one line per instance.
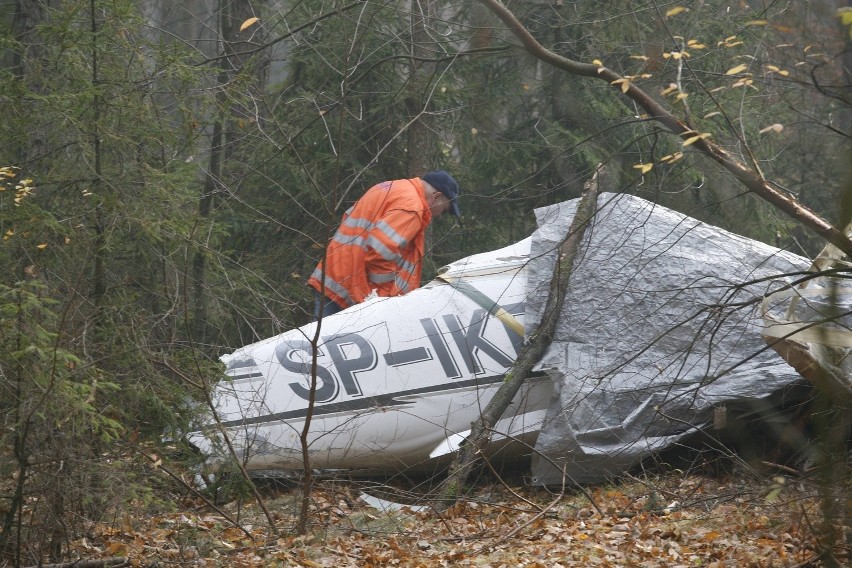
(104, 563)
(195, 492)
(223, 432)
(778, 466)
(565, 475)
(343, 553)
(811, 562)
(536, 517)
(506, 485)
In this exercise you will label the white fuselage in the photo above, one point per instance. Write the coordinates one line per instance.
(397, 380)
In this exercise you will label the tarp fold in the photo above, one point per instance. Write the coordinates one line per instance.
(660, 326)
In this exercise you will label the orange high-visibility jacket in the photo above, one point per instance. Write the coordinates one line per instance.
(379, 245)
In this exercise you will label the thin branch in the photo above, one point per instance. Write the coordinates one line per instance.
(535, 518)
(156, 462)
(105, 563)
(751, 179)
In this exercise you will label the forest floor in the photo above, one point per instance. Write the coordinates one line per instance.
(673, 519)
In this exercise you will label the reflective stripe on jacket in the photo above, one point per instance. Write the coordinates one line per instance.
(379, 245)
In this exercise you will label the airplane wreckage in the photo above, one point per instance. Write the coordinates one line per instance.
(661, 328)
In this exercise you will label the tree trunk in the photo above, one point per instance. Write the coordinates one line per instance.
(419, 147)
(531, 352)
(232, 118)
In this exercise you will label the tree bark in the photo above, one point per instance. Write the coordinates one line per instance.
(531, 352)
(751, 178)
(231, 117)
(420, 153)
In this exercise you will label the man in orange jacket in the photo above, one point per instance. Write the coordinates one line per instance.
(381, 241)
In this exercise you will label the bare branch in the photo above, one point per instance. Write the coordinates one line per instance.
(750, 178)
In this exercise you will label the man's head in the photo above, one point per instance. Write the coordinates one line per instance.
(447, 194)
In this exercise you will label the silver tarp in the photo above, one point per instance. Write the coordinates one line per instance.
(660, 327)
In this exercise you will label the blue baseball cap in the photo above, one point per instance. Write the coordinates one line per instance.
(444, 182)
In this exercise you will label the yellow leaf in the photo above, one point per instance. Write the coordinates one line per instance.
(773, 494)
(681, 96)
(42, 246)
(248, 23)
(671, 88)
(597, 62)
(729, 42)
(757, 23)
(672, 157)
(695, 44)
(644, 168)
(675, 11)
(776, 69)
(845, 15)
(639, 57)
(735, 70)
(693, 139)
(625, 84)
(772, 128)
(743, 83)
